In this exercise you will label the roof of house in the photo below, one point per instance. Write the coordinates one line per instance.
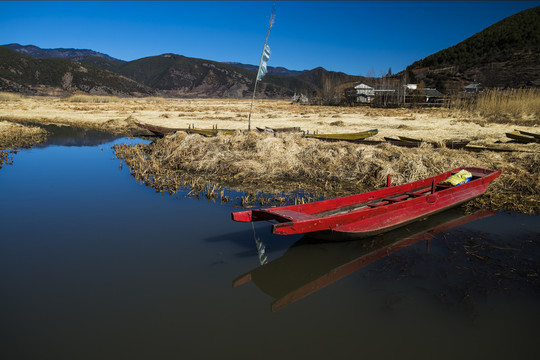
(363, 86)
(432, 92)
(473, 86)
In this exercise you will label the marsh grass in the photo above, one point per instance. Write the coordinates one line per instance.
(513, 106)
(5, 96)
(14, 137)
(287, 165)
(152, 100)
(83, 98)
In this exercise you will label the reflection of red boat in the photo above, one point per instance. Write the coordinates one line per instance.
(374, 212)
(307, 266)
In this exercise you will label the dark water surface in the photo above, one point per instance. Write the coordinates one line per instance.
(94, 265)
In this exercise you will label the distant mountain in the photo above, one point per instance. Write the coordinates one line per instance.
(177, 75)
(166, 74)
(25, 74)
(73, 54)
(504, 54)
(271, 69)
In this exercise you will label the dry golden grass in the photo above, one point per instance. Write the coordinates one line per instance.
(5, 96)
(512, 106)
(120, 115)
(286, 163)
(15, 136)
(83, 98)
(254, 162)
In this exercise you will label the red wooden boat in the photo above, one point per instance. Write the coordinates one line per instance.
(373, 212)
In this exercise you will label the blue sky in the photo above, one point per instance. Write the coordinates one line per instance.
(355, 37)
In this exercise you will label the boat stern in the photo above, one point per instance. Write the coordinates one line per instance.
(243, 216)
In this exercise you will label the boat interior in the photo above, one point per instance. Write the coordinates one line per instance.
(372, 202)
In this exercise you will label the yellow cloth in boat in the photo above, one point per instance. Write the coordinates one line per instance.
(458, 178)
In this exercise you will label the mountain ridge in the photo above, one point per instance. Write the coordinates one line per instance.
(504, 54)
(28, 75)
(64, 53)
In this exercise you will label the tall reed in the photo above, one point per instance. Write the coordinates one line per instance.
(6, 96)
(284, 163)
(519, 106)
(83, 98)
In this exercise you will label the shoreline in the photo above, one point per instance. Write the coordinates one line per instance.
(318, 169)
(252, 162)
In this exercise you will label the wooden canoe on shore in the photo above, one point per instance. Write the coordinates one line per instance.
(344, 137)
(373, 212)
(412, 142)
(536, 136)
(523, 136)
(158, 130)
(405, 138)
(478, 148)
(279, 130)
(210, 132)
(162, 131)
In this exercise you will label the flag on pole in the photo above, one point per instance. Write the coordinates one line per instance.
(262, 65)
(265, 56)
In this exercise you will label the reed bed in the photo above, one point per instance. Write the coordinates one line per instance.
(5, 96)
(14, 137)
(287, 165)
(83, 98)
(514, 106)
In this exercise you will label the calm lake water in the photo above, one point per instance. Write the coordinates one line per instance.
(94, 265)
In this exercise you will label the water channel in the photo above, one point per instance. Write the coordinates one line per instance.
(94, 265)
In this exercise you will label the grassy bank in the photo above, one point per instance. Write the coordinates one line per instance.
(14, 137)
(255, 163)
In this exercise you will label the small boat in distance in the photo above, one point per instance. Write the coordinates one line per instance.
(523, 136)
(478, 148)
(413, 142)
(210, 132)
(405, 138)
(344, 137)
(158, 130)
(374, 212)
(399, 141)
(279, 130)
(163, 131)
(537, 136)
